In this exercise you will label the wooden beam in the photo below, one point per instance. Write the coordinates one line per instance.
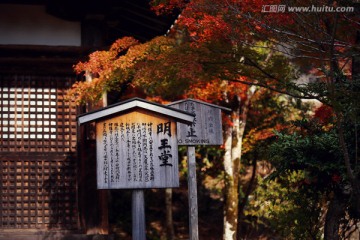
(138, 215)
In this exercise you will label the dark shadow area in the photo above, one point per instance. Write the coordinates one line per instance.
(60, 194)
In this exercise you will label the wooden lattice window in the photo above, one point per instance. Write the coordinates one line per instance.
(38, 157)
(35, 117)
(37, 192)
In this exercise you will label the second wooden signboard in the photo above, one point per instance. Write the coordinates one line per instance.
(206, 129)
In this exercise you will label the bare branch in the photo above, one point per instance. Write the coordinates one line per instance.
(303, 94)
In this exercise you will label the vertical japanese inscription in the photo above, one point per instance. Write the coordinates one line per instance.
(128, 158)
(133, 152)
(137, 140)
(190, 107)
(145, 151)
(105, 156)
(111, 146)
(210, 121)
(117, 151)
(137, 152)
(151, 151)
(165, 148)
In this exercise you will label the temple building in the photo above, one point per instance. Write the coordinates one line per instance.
(47, 184)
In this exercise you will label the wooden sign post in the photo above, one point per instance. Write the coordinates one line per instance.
(136, 145)
(206, 129)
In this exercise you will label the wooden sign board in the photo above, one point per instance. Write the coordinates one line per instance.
(136, 144)
(137, 150)
(206, 129)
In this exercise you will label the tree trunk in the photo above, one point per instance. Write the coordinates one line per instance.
(233, 148)
(245, 199)
(231, 182)
(334, 214)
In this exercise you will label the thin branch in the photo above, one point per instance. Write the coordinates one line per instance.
(289, 33)
(261, 70)
(286, 92)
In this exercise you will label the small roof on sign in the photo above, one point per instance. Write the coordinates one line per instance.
(201, 102)
(133, 103)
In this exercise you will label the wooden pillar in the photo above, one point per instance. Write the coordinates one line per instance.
(138, 215)
(93, 203)
(193, 205)
(104, 197)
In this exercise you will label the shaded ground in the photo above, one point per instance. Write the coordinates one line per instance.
(210, 214)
